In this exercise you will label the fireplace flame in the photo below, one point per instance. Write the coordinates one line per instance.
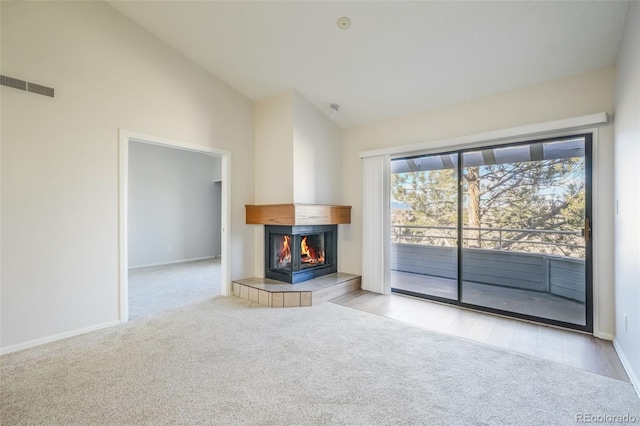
(284, 257)
(310, 254)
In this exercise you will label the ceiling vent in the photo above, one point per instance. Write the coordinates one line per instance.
(26, 86)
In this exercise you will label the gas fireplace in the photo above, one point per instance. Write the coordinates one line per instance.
(298, 253)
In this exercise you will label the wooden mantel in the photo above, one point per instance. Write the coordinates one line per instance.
(297, 214)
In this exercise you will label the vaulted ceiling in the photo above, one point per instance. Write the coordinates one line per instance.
(397, 57)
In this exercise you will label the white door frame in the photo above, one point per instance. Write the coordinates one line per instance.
(125, 137)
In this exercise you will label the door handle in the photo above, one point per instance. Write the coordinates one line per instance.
(587, 230)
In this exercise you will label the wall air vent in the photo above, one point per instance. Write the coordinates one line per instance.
(13, 82)
(26, 86)
(40, 90)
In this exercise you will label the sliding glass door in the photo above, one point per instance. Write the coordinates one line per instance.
(506, 231)
(424, 225)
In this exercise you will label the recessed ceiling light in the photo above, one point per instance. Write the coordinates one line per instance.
(344, 23)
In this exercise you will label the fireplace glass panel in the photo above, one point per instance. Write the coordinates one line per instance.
(312, 251)
(295, 254)
(281, 252)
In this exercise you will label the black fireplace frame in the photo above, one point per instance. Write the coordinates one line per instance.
(297, 274)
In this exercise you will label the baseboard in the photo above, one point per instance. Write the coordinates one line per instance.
(174, 261)
(627, 367)
(53, 338)
(604, 336)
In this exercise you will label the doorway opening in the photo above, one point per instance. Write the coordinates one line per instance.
(174, 203)
(503, 229)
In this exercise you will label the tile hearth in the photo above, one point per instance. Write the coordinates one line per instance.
(278, 294)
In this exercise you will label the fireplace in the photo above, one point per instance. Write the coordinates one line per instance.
(295, 254)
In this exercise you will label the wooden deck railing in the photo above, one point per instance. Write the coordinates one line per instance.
(558, 275)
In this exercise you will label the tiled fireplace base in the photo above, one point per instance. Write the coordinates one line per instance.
(278, 294)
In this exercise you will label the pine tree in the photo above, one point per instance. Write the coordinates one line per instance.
(535, 195)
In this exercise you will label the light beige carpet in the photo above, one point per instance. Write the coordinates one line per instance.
(156, 289)
(228, 361)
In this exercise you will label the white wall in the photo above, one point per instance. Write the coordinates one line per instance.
(174, 205)
(627, 192)
(297, 157)
(298, 154)
(564, 98)
(317, 160)
(60, 156)
(274, 149)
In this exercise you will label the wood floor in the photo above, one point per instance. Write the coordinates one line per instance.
(562, 346)
(532, 303)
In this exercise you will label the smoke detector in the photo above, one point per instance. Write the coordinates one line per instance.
(344, 23)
